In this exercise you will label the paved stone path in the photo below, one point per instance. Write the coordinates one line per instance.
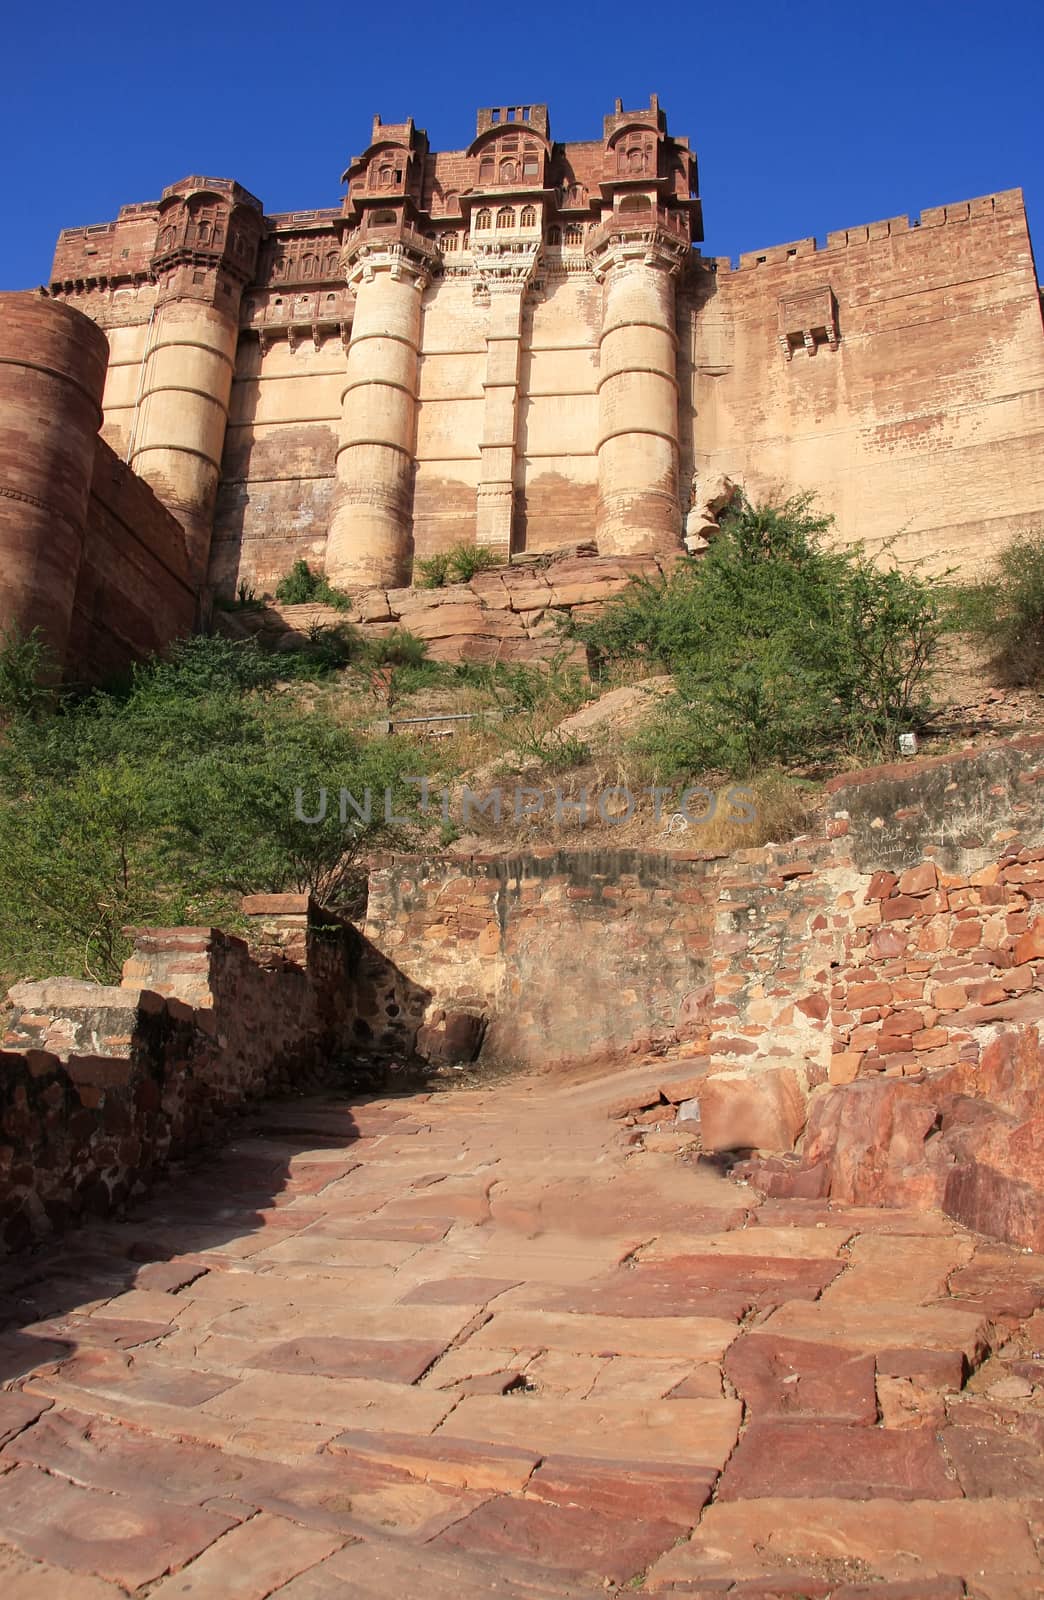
(495, 1343)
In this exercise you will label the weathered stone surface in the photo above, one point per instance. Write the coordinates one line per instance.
(566, 1538)
(17, 1411)
(391, 1360)
(131, 1540)
(764, 1111)
(250, 1561)
(345, 1402)
(783, 1380)
(695, 1285)
(853, 1463)
(691, 1338)
(633, 1490)
(440, 1459)
(893, 1540)
(25, 1579)
(674, 1431)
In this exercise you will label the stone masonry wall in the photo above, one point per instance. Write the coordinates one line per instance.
(101, 1087)
(893, 1011)
(134, 593)
(572, 957)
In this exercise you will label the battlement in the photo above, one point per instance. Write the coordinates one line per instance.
(619, 117)
(528, 116)
(1008, 202)
(292, 221)
(226, 186)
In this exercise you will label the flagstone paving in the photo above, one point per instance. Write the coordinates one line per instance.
(488, 1343)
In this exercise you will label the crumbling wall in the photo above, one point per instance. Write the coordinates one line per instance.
(572, 957)
(905, 998)
(100, 1087)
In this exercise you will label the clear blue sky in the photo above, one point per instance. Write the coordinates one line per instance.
(805, 116)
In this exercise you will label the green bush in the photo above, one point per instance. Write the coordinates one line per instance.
(302, 586)
(399, 648)
(167, 800)
(783, 651)
(28, 674)
(458, 565)
(432, 572)
(1006, 610)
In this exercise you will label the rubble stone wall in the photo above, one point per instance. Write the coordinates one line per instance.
(100, 1087)
(573, 957)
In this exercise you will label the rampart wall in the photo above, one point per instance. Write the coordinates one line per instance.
(89, 554)
(898, 372)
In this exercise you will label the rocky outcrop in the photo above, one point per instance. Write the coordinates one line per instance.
(510, 614)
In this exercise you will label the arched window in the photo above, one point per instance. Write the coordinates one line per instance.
(554, 236)
(574, 235)
(635, 159)
(508, 171)
(483, 219)
(506, 217)
(528, 217)
(330, 265)
(487, 168)
(448, 241)
(382, 219)
(636, 202)
(203, 233)
(385, 177)
(308, 266)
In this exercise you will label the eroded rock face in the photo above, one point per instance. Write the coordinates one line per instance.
(969, 1140)
(758, 1111)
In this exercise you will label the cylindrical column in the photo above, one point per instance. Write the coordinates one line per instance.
(638, 507)
(179, 428)
(52, 376)
(371, 533)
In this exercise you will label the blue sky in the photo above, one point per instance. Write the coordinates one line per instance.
(804, 116)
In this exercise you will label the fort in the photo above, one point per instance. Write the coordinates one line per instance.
(513, 345)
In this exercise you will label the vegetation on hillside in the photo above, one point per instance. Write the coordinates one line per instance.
(456, 565)
(166, 800)
(1005, 611)
(784, 652)
(302, 586)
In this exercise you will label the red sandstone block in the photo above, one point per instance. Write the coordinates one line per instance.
(867, 916)
(919, 880)
(844, 1066)
(796, 869)
(869, 994)
(966, 935)
(1030, 945)
(901, 1023)
(930, 1039)
(890, 1044)
(885, 942)
(881, 885)
(901, 906)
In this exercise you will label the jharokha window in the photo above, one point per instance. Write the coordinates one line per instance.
(528, 217)
(483, 219)
(506, 217)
